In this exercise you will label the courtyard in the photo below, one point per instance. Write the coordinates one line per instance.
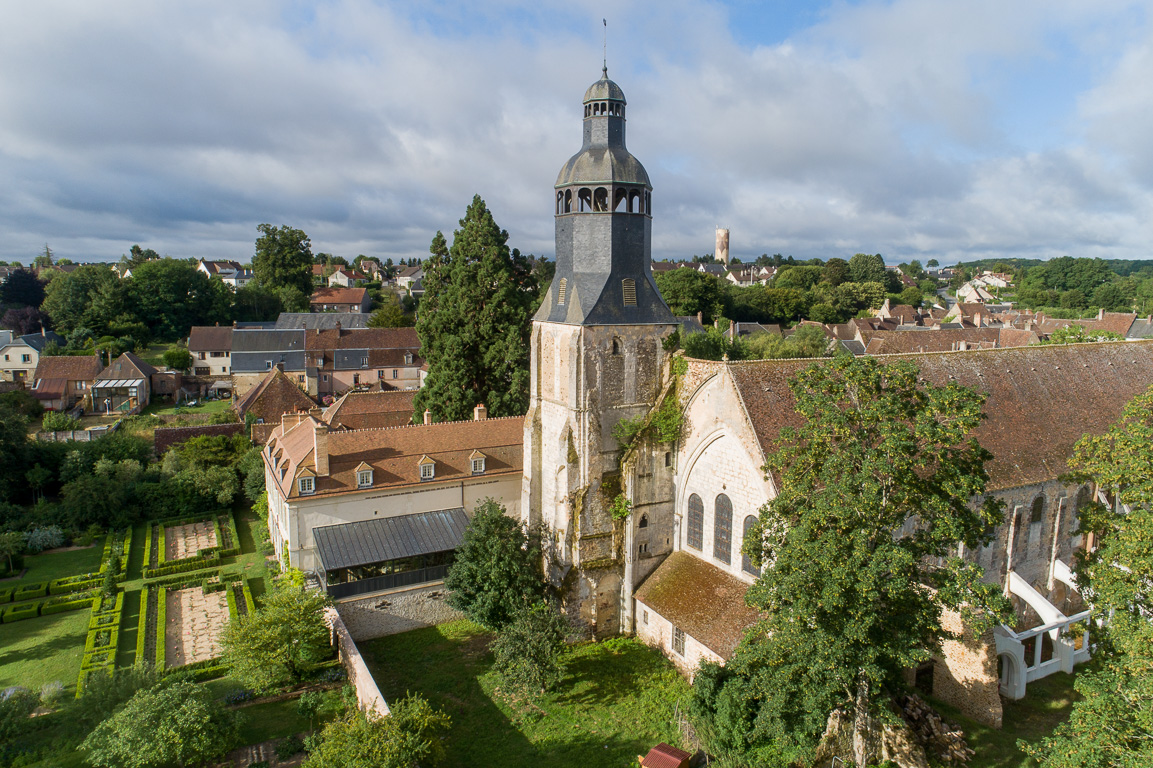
(618, 699)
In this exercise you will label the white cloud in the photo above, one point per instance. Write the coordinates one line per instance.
(370, 125)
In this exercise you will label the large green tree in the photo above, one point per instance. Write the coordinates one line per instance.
(22, 289)
(88, 297)
(281, 641)
(1112, 725)
(169, 725)
(497, 571)
(526, 653)
(171, 295)
(688, 292)
(877, 485)
(283, 259)
(474, 322)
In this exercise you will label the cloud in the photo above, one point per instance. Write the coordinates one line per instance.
(888, 127)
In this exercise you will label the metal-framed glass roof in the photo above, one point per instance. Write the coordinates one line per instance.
(389, 538)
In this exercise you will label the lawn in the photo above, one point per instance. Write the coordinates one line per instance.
(617, 699)
(53, 565)
(1046, 703)
(273, 720)
(42, 650)
(154, 354)
(202, 406)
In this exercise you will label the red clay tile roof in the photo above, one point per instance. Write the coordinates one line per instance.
(68, 368)
(274, 396)
(943, 340)
(394, 453)
(210, 338)
(665, 756)
(340, 295)
(1041, 399)
(371, 410)
(125, 367)
(701, 599)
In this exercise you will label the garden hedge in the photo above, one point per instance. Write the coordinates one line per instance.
(142, 625)
(227, 545)
(161, 627)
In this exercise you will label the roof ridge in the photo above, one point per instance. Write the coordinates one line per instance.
(434, 424)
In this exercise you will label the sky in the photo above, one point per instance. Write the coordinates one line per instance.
(917, 129)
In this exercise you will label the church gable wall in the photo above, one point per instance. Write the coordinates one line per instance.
(719, 456)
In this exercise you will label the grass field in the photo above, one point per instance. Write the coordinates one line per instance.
(42, 650)
(274, 720)
(1046, 704)
(617, 699)
(54, 565)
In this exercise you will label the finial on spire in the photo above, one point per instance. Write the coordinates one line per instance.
(605, 68)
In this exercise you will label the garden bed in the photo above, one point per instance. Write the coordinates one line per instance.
(189, 544)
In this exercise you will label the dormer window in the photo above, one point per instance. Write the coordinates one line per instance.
(408, 358)
(364, 478)
(477, 460)
(306, 485)
(427, 468)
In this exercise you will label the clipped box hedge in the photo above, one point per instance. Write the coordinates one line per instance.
(6, 594)
(60, 606)
(142, 625)
(19, 612)
(161, 627)
(31, 591)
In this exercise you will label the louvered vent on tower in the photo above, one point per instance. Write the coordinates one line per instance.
(630, 291)
(561, 291)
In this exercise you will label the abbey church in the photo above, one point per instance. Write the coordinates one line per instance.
(646, 539)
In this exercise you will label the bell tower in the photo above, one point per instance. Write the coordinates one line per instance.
(597, 358)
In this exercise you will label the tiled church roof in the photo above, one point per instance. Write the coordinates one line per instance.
(1042, 399)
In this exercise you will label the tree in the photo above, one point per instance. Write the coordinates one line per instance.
(527, 651)
(800, 277)
(278, 643)
(805, 341)
(13, 448)
(172, 295)
(876, 449)
(912, 296)
(409, 736)
(867, 268)
(390, 314)
(475, 322)
(25, 320)
(932, 263)
(1112, 725)
(58, 421)
(179, 724)
(497, 571)
(836, 271)
(22, 289)
(255, 302)
(178, 358)
(87, 297)
(11, 545)
(688, 292)
(283, 259)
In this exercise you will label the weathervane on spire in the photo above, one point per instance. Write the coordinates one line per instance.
(605, 68)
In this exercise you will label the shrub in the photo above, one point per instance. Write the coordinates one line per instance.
(286, 748)
(527, 651)
(39, 539)
(57, 421)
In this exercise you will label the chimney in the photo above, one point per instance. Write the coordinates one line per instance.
(427, 416)
(337, 327)
(701, 318)
(1101, 313)
(320, 447)
(479, 413)
(42, 331)
(217, 323)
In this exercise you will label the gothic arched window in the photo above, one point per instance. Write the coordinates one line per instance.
(1038, 510)
(723, 529)
(695, 533)
(644, 523)
(746, 563)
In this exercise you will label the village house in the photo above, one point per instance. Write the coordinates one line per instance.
(409, 277)
(229, 272)
(329, 361)
(62, 381)
(374, 509)
(124, 387)
(339, 300)
(345, 277)
(211, 350)
(20, 355)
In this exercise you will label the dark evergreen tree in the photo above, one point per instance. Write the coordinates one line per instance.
(22, 289)
(474, 322)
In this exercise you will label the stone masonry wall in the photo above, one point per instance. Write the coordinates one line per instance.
(389, 613)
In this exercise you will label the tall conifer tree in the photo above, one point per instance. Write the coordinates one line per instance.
(474, 322)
